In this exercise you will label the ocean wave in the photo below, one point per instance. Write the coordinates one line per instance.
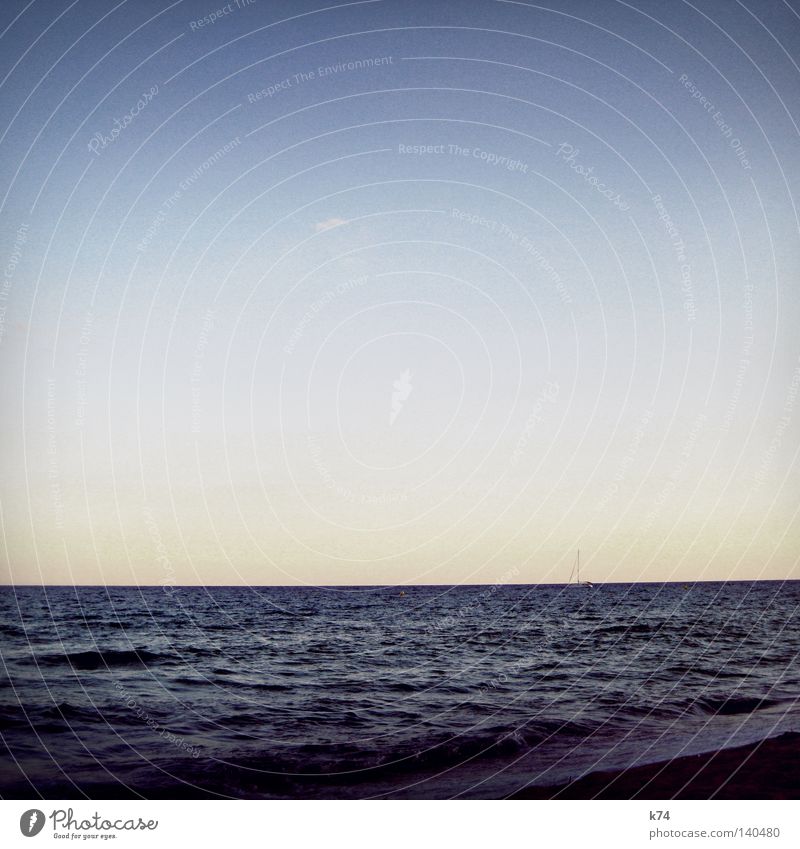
(52, 719)
(733, 705)
(431, 752)
(110, 658)
(628, 628)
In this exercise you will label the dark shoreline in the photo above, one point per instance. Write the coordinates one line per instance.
(769, 769)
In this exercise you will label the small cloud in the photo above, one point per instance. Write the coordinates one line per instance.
(329, 223)
(402, 389)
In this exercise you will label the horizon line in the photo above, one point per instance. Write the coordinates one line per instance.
(400, 586)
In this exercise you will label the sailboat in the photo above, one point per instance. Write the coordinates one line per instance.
(576, 571)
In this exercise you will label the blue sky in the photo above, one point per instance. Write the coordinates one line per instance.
(573, 228)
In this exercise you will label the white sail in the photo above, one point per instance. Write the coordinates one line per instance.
(576, 571)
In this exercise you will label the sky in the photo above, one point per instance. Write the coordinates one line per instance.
(398, 292)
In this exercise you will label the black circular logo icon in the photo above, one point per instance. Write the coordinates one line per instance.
(31, 822)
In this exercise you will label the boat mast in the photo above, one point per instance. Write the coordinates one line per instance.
(579, 565)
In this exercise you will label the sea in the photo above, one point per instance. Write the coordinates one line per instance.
(381, 692)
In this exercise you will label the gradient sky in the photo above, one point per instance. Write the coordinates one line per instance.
(255, 337)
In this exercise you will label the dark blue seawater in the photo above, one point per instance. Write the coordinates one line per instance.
(366, 692)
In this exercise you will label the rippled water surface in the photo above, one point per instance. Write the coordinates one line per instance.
(361, 692)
